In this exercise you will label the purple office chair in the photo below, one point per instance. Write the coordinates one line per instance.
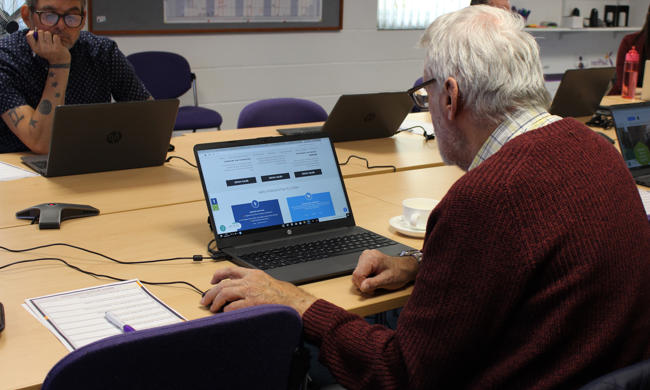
(168, 75)
(252, 348)
(280, 111)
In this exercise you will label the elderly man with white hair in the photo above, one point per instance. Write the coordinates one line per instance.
(535, 267)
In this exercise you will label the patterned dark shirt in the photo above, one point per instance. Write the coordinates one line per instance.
(98, 72)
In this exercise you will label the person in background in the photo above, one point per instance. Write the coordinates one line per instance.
(505, 4)
(54, 63)
(535, 267)
(642, 44)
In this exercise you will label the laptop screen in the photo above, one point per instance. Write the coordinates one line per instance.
(632, 123)
(263, 186)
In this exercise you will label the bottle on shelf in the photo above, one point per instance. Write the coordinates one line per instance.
(630, 73)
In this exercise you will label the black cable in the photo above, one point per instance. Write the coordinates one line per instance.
(368, 164)
(426, 135)
(215, 253)
(99, 275)
(181, 158)
(193, 258)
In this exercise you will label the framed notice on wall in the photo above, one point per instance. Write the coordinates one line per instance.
(120, 17)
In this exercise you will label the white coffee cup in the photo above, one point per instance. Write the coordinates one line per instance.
(415, 211)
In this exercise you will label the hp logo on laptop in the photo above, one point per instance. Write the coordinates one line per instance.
(289, 232)
(114, 137)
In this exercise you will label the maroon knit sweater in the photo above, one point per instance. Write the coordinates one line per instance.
(536, 275)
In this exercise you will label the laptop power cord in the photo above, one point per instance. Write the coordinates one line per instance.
(194, 258)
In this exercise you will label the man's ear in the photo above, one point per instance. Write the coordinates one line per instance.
(453, 98)
(26, 14)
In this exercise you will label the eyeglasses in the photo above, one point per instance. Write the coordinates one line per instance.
(419, 94)
(50, 18)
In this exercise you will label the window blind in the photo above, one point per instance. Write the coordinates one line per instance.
(413, 14)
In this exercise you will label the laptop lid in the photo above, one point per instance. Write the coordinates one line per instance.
(363, 116)
(581, 91)
(632, 123)
(99, 137)
(270, 188)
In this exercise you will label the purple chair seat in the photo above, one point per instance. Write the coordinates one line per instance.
(251, 348)
(192, 117)
(280, 111)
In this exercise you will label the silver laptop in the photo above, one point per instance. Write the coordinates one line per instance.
(280, 204)
(581, 91)
(632, 122)
(362, 116)
(100, 137)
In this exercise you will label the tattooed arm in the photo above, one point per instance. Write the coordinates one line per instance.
(34, 126)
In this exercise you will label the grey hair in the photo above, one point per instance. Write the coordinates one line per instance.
(32, 4)
(495, 63)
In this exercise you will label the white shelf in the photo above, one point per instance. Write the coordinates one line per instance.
(579, 30)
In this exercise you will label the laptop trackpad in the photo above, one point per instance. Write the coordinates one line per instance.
(317, 269)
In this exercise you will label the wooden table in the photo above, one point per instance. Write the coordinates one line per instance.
(28, 350)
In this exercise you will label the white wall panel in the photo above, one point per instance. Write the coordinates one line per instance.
(235, 69)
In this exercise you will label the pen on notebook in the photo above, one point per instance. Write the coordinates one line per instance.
(110, 317)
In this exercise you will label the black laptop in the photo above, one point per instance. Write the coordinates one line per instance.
(632, 122)
(581, 91)
(100, 137)
(279, 204)
(362, 116)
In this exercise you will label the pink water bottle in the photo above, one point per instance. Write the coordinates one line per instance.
(630, 73)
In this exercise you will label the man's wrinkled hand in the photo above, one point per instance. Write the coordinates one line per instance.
(237, 287)
(377, 270)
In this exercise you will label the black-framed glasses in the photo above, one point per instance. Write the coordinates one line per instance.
(419, 94)
(50, 18)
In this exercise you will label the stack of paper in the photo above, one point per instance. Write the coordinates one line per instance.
(78, 317)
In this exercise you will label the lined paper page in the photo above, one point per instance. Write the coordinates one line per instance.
(78, 318)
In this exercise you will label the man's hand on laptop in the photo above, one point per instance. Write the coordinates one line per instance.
(237, 287)
(378, 270)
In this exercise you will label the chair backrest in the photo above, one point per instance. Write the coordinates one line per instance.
(243, 349)
(280, 111)
(166, 75)
(634, 377)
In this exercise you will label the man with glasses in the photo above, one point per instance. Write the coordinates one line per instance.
(535, 267)
(54, 63)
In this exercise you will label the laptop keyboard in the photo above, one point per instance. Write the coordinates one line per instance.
(309, 251)
(643, 180)
(40, 163)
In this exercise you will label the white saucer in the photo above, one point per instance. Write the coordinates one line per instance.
(401, 226)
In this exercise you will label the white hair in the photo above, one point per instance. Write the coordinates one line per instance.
(495, 63)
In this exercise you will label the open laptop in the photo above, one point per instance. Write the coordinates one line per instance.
(581, 91)
(100, 137)
(282, 199)
(363, 116)
(632, 122)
